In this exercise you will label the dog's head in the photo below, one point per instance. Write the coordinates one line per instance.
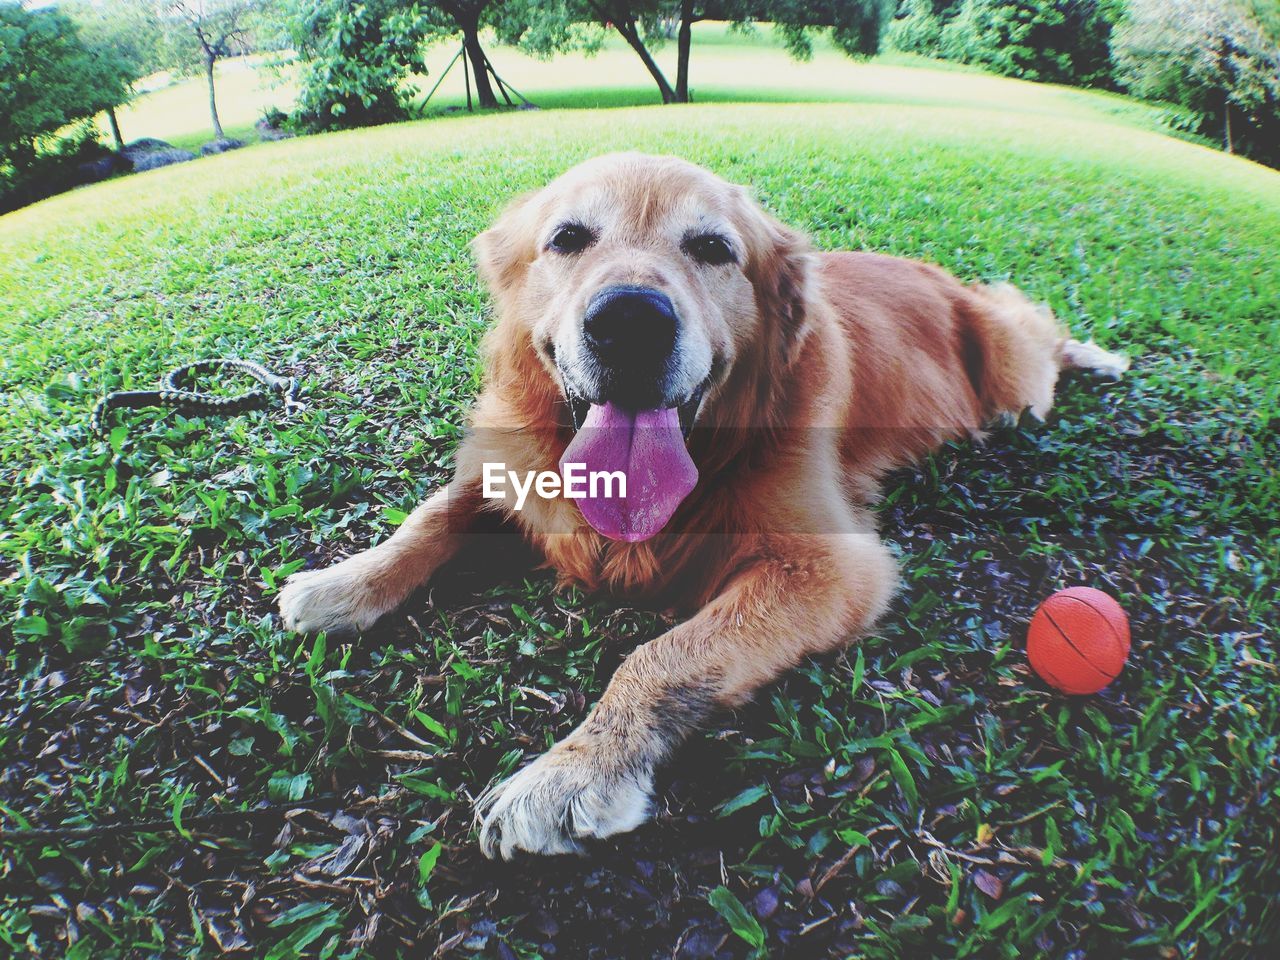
(651, 291)
(641, 281)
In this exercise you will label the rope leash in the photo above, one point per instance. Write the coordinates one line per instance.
(177, 393)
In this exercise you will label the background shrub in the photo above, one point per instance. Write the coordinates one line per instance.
(1218, 60)
(49, 80)
(1059, 41)
(358, 56)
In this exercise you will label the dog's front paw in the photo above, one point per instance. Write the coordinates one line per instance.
(339, 599)
(564, 796)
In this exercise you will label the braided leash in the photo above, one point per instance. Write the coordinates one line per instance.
(176, 392)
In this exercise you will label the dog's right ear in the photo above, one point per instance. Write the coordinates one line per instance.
(779, 267)
(509, 246)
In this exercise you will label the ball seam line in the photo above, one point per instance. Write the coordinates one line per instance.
(1080, 653)
(1120, 643)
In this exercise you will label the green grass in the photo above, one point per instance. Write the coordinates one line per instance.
(922, 795)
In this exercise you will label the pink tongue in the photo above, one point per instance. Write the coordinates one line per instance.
(648, 448)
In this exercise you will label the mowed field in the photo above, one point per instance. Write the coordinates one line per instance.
(180, 777)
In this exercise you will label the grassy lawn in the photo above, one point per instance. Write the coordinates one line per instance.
(922, 795)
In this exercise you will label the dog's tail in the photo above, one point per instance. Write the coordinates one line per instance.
(1089, 356)
(1039, 324)
(1024, 347)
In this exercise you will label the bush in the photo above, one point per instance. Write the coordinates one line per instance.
(918, 30)
(49, 80)
(357, 55)
(1218, 59)
(1058, 41)
(70, 161)
(274, 117)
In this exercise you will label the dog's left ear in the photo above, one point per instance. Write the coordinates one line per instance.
(780, 264)
(506, 248)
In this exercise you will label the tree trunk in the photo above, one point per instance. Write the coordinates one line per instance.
(115, 128)
(631, 33)
(213, 103)
(479, 64)
(1226, 132)
(684, 43)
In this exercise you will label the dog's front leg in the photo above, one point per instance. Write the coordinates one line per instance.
(353, 594)
(799, 596)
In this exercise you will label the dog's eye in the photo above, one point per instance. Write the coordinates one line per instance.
(571, 238)
(710, 248)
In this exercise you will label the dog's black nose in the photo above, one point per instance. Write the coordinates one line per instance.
(632, 327)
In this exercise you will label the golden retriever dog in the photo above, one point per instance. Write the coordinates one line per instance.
(652, 320)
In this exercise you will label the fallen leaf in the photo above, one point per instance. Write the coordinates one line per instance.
(989, 884)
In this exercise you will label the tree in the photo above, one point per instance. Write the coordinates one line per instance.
(543, 28)
(1060, 41)
(218, 28)
(358, 54)
(126, 35)
(361, 53)
(1217, 58)
(633, 20)
(466, 16)
(918, 28)
(855, 25)
(689, 15)
(49, 80)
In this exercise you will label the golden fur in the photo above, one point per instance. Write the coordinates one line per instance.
(830, 369)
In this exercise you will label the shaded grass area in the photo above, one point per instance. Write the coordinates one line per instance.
(922, 794)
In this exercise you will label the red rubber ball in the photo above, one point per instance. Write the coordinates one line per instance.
(1078, 640)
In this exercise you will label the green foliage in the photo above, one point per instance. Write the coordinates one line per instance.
(642, 24)
(544, 29)
(1267, 15)
(855, 26)
(205, 31)
(740, 921)
(1220, 59)
(1217, 62)
(198, 32)
(130, 29)
(1058, 41)
(917, 29)
(50, 79)
(358, 55)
